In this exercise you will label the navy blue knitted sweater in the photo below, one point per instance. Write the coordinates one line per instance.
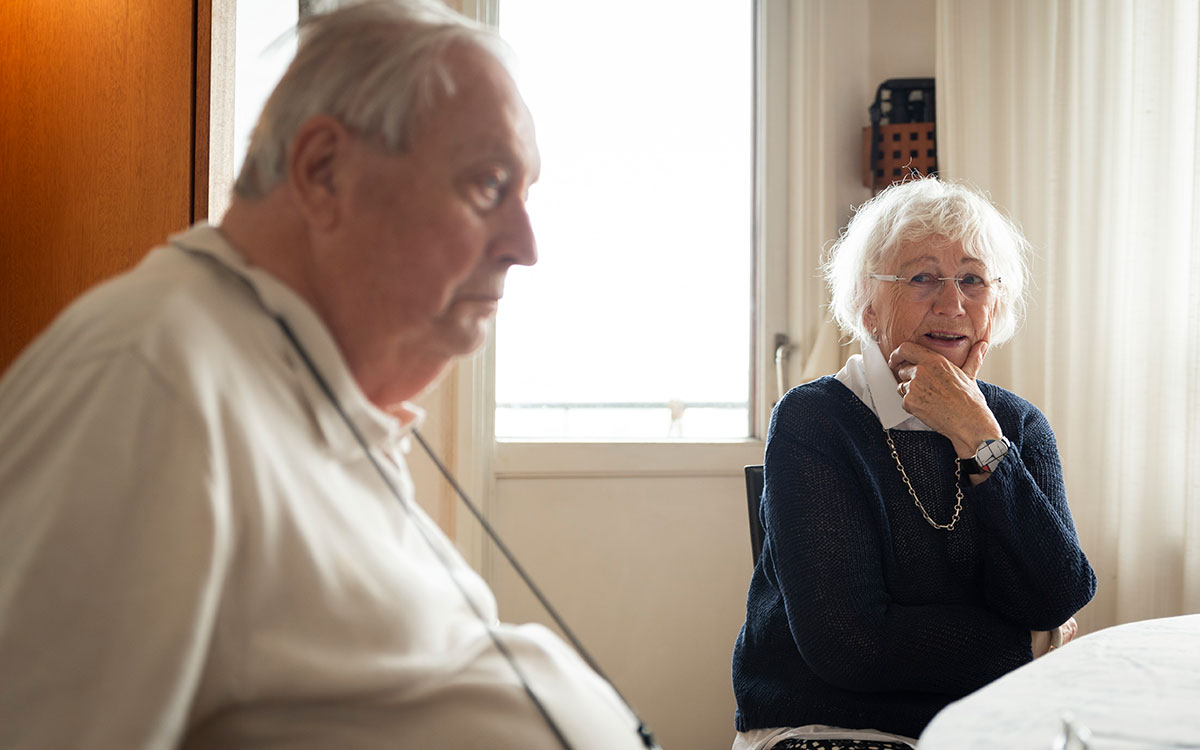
(862, 615)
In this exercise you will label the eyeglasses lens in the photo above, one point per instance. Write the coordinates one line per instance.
(972, 287)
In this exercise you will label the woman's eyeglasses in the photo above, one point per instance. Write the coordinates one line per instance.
(925, 285)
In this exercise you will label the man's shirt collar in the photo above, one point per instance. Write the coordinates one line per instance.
(380, 429)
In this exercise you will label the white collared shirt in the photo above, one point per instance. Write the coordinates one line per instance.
(868, 376)
(195, 552)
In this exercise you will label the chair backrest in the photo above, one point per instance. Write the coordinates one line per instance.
(754, 490)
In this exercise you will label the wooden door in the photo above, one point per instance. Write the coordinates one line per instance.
(98, 113)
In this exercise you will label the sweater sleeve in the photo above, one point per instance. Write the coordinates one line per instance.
(1034, 569)
(824, 538)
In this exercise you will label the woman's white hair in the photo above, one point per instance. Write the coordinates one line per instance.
(374, 66)
(922, 210)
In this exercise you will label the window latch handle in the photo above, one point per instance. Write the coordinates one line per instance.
(783, 350)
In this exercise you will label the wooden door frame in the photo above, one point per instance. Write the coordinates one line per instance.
(201, 105)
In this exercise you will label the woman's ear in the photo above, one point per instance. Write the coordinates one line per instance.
(871, 321)
(315, 155)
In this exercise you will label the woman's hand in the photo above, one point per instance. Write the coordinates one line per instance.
(1045, 641)
(944, 396)
(1069, 630)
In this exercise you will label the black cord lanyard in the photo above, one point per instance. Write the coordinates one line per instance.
(642, 730)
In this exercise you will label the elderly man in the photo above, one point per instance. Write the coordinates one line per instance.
(207, 534)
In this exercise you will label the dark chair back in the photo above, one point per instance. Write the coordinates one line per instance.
(754, 490)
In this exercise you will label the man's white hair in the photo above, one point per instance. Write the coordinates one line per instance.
(374, 66)
(923, 210)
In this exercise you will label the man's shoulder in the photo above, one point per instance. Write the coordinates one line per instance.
(172, 312)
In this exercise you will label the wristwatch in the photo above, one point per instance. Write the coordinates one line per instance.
(987, 456)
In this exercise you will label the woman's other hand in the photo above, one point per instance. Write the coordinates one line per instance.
(944, 396)
(1069, 630)
(1045, 641)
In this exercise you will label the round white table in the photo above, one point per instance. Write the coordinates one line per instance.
(1129, 686)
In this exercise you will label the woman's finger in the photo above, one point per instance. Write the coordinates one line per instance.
(975, 359)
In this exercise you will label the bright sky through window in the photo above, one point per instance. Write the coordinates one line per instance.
(636, 321)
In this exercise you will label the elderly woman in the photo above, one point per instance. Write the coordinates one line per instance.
(918, 543)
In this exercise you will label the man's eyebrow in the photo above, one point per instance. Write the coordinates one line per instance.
(482, 145)
(495, 148)
(501, 156)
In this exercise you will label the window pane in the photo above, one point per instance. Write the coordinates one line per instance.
(266, 43)
(636, 322)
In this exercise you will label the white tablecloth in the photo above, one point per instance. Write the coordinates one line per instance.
(1134, 685)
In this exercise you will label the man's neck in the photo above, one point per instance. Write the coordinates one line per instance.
(273, 237)
(398, 375)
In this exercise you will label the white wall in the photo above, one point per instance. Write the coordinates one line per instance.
(651, 573)
(901, 40)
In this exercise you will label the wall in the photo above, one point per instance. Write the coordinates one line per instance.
(901, 40)
(651, 573)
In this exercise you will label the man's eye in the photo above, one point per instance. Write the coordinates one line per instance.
(489, 190)
(971, 279)
(923, 279)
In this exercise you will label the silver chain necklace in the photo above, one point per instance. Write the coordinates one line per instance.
(957, 488)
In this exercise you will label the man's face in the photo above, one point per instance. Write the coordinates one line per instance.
(428, 235)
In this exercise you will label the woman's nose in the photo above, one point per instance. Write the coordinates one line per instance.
(949, 297)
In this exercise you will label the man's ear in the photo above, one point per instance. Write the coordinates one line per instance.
(317, 151)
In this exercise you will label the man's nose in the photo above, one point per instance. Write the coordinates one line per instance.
(517, 244)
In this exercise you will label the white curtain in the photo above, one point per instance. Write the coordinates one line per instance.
(1080, 117)
(828, 88)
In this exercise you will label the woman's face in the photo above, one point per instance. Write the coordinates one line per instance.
(943, 319)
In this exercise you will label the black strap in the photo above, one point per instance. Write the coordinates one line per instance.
(642, 730)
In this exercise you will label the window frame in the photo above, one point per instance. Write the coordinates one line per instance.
(488, 458)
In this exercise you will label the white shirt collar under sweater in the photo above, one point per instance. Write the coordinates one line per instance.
(377, 427)
(868, 376)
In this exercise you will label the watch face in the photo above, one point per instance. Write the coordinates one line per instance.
(990, 453)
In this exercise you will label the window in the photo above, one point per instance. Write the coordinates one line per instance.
(252, 44)
(637, 322)
(266, 43)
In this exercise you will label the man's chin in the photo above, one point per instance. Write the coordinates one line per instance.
(463, 339)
